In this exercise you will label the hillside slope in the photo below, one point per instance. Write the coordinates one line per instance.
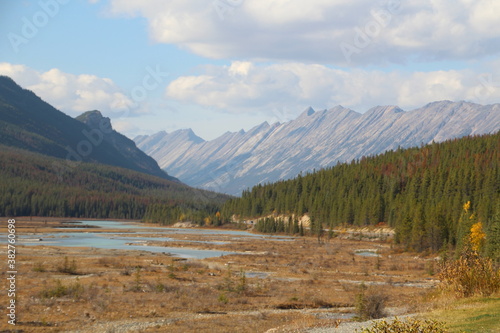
(38, 185)
(27, 122)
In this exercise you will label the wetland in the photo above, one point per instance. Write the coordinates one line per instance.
(105, 276)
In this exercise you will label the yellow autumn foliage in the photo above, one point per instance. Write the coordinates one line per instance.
(208, 221)
(477, 236)
(467, 206)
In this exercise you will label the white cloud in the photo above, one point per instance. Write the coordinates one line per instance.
(72, 94)
(294, 85)
(378, 31)
(240, 68)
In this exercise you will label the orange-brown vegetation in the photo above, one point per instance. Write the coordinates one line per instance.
(290, 284)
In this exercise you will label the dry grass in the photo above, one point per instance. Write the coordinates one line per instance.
(407, 326)
(469, 275)
(302, 284)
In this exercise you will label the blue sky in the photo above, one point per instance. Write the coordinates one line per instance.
(222, 65)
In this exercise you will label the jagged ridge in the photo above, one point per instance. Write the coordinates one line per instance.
(316, 139)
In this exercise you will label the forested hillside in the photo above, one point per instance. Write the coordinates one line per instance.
(419, 191)
(28, 122)
(36, 185)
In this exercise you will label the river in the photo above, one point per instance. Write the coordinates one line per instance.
(124, 240)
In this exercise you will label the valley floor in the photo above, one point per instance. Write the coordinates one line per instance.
(295, 284)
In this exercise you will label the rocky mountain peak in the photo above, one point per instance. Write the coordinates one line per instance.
(94, 119)
(178, 135)
(307, 112)
(236, 161)
(384, 110)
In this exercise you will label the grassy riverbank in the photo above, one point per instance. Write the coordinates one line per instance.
(477, 314)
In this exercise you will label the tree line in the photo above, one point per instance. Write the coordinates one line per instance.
(35, 185)
(418, 191)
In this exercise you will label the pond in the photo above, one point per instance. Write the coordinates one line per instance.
(367, 253)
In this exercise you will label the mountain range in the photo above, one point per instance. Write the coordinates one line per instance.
(236, 161)
(27, 122)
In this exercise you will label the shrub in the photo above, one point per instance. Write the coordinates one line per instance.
(469, 275)
(137, 286)
(74, 290)
(223, 298)
(160, 287)
(409, 326)
(242, 285)
(68, 267)
(39, 267)
(370, 304)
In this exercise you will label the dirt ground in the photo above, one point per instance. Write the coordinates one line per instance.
(276, 286)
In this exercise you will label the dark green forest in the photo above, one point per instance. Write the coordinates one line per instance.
(32, 184)
(418, 191)
(29, 123)
(54, 165)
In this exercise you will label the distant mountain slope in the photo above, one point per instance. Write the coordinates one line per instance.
(32, 184)
(121, 143)
(27, 122)
(267, 153)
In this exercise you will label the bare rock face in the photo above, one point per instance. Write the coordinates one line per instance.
(316, 139)
(126, 147)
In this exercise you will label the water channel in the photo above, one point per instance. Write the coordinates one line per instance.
(124, 240)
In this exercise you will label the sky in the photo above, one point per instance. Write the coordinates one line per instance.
(225, 65)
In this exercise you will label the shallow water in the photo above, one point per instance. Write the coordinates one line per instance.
(260, 275)
(120, 241)
(367, 253)
(110, 241)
